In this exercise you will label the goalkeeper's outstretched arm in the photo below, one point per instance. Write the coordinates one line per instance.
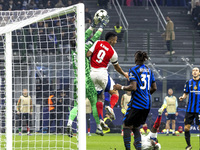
(103, 23)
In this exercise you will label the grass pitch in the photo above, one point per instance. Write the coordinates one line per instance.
(94, 142)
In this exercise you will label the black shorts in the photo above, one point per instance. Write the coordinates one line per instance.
(189, 118)
(135, 117)
(23, 119)
(171, 117)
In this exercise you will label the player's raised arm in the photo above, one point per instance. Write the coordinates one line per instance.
(92, 42)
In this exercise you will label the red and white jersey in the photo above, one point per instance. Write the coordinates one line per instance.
(102, 54)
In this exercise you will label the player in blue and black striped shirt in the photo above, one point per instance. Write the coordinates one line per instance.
(192, 88)
(142, 85)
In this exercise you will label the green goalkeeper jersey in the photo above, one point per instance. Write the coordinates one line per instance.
(88, 45)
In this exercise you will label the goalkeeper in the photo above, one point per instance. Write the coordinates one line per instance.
(91, 93)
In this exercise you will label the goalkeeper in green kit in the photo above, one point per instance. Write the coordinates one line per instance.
(91, 93)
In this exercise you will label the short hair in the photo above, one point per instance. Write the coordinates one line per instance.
(141, 56)
(110, 35)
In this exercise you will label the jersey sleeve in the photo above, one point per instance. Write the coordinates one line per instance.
(165, 101)
(96, 36)
(131, 75)
(88, 33)
(186, 87)
(93, 47)
(114, 58)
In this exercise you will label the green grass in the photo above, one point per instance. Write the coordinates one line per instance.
(107, 142)
(115, 142)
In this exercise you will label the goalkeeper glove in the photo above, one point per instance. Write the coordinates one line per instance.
(123, 111)
(94, 23)
(104, 21)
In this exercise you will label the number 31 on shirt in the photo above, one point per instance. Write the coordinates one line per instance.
(145, 78)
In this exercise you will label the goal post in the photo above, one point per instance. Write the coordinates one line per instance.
(81, 80)
(26, 67)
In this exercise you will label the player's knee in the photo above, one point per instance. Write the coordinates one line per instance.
(173, 121)
(187, 128)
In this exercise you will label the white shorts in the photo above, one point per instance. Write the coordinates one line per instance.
(146, 141)
(102, 81)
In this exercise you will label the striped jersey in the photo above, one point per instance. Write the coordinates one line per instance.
(192, 87)
(141, 98)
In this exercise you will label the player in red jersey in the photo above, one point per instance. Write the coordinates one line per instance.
(101, 53)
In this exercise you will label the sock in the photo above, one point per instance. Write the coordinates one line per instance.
(157, 122)
(127, 138)
(173, 131)
(137, 139)
(19, 129)
(113, 100)
(99, 126)
(93, 101)
(69, 122)
(88, 130)
(100, 109)
(167, 131)
(187, 137)
(73, 113)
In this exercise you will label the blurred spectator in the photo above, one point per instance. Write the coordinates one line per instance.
(32, 5)
(11, 5)
(18, 5)
(29, 40)
(118, 30)
(196, 13)
(59, 4)
(1, 7)
(103, 4)
(69, 3)
(18, 43)
(24, 5)
(169, 35)
(2, 2)
(88, 16)
(189, 6)
(41, 38)
(52, 42)
(64, 44)
(52, 115)
(49, 4)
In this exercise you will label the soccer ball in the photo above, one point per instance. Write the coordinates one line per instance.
(100, 14)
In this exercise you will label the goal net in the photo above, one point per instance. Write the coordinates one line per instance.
(40, 51)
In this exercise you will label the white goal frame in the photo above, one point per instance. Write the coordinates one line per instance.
(80, 28)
